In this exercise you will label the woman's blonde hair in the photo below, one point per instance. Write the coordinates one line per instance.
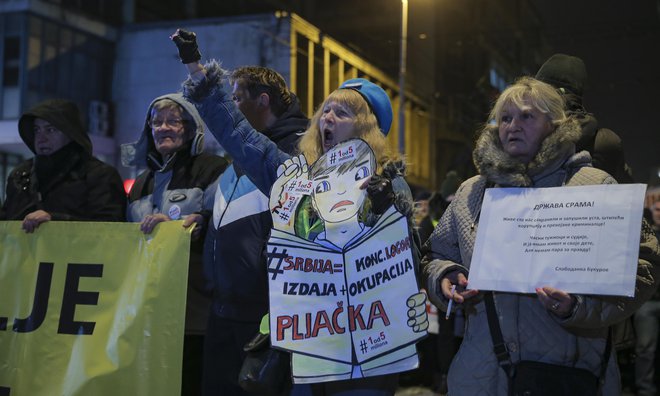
(536, 93)
(365, 127)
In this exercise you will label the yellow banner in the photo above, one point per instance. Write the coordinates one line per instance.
(92, 309)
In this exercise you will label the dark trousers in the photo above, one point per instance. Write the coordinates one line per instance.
(646, 327)
(191, 379)
(223, 355)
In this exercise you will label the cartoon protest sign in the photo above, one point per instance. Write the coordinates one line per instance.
(345, 300)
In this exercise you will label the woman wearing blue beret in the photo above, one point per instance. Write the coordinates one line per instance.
(357, 109)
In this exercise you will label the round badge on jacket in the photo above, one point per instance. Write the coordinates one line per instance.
(174, 212)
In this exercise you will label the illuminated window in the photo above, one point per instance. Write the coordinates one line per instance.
(10, 77)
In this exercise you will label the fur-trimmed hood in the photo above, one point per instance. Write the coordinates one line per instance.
(197, 90)
(501, 168)
(143, 152)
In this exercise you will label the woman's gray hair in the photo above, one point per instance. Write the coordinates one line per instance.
(189, 125)
(542, 96)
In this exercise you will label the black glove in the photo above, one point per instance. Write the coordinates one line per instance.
(380, 193)
(186, 42)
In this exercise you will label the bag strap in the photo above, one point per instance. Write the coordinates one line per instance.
(502, 353)
(606, 357)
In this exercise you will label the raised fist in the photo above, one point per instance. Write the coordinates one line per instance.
(186, 42)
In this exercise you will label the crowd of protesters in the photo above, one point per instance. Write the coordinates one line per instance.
(538, 135)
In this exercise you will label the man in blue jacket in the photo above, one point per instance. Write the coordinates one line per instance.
(234, 249)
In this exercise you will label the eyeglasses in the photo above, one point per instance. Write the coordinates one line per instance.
(172, 123)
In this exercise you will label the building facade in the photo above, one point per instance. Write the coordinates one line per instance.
(113, 57)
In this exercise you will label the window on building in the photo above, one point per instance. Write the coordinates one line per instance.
(10, 76)
(66, 63)
(104, 10)
(11, 53)
(43, 59)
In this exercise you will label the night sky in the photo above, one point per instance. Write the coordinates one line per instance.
(620, 44)
(619, 40)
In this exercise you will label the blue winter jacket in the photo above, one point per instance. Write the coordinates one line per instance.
(234, 249)
(252, 151)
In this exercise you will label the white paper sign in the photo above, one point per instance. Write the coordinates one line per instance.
(581, 239)
(336, 305)
(344, 299)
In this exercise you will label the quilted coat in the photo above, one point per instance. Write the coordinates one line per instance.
(529, 330)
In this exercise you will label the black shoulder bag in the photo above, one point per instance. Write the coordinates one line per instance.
(529, 378)
(265, 370)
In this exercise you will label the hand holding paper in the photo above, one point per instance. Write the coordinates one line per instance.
(556, 301)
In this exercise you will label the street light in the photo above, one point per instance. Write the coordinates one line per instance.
(402, 75)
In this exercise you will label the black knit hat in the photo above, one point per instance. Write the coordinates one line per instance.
(564, 71)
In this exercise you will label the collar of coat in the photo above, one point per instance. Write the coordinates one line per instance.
(501, 168)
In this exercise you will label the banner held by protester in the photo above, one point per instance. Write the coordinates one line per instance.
(92, 308)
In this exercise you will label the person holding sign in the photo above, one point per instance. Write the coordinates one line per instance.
(528, 142)
(359, 108)
(63, 182)
(179, 183)
(352, 273)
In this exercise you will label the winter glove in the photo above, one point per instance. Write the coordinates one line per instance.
(380, 193)
(186, 42)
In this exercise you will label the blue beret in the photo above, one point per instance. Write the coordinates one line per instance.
(377, 99)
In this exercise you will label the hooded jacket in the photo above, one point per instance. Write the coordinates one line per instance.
(605, 147)
(569, 75)
(530, 332)
(182, 185)
(70, 184)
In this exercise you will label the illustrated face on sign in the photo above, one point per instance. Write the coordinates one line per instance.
(337, 177)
